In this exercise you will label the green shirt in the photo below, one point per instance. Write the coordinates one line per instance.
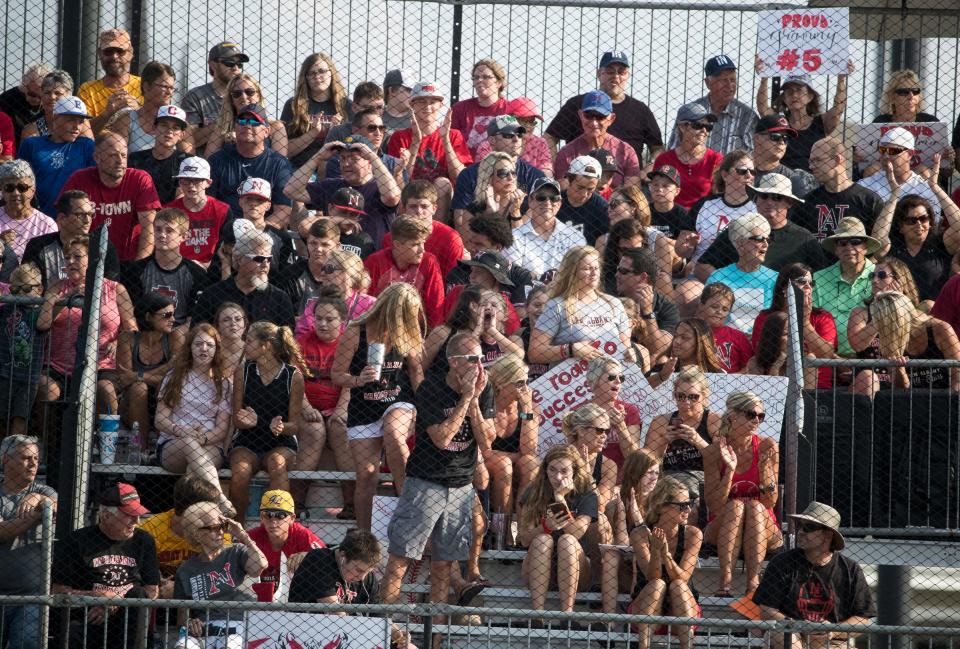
(840, 297)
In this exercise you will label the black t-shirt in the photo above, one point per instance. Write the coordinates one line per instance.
(789, 244)
(585, 504)
(376, 222)
(673, 222)
(359, 243)
(821, 210)
(88, 560)
(269, 304)
(161, 171)
(668, 315)
(327, 107)
(182, 284)
(635, 124)
(591, 218)
(454, 465)
(319, 577)
(802, 591)
(930, 268)
(46, 251)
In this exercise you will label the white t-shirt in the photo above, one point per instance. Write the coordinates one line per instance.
(877, 183)
(198, 403)
(712, 218)
(531, 251)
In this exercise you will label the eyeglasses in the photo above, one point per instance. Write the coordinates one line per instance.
(753, 414)
(891, 151)
(851, 241)
(373, 128)
(771, 197)
(594, 117)
(689, 398)
(627, 271)
(318, 73)
(616, 377)
(913, 220)
(682, 506)
(278, 515)
(330, 269)
(758, 238)
(376, 107)
(248, 121)
(84, 216)
(483, 77)
(114, 51)
(511, 136)
(700, 126)
(505, 173)
(906, 92)
(810, 528)
(163, 86)
(803, 281)
(776, 137)
(746, 171)
(881, 274)
(249, 92)
(219, 527)
(24, 288)
(260, 259)
(543, 198)
(23, 188)
(166, 315)
(230, 63)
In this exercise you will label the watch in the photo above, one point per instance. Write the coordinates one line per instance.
(525, 416)
(648, 316)
(768, 489)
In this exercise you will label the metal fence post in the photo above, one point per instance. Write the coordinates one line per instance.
(793, 417)
(46, 543)
(455, 52)
(893, 584)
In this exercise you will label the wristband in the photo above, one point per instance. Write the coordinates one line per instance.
(563, 352)
(570, 350)
(543, 524)
(525, 416)
(648, 316)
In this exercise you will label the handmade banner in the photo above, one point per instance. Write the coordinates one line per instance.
(804, 41)
(931, 138)
(283, 630)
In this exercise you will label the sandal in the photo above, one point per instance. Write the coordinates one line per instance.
(347, 513)
(723, 592)
(470, 590)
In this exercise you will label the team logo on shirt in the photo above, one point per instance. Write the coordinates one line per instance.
(827, 220)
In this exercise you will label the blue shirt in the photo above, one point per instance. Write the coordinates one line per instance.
(53, 163)
(467, 183)
(753, 292)
(229, 169)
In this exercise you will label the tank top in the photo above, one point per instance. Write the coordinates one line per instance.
(930, 377)
(140, 366)
(66, 329)
(369, 402)
(267, 400)
(535, 370)
(677, 556)
(681, 455)
(137, 138)
(510, 444)
(746, 485)
(798, 148)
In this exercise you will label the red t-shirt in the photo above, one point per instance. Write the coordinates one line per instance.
(733, 348)
(510, 324)
(444, 243)
(321, 391)
(300, 539)
(472, 119)
(431, 162)
(7, 135)
(425, 277)
(823, 323)
(120, 204)
(947, 306)
(204, 233)
(695, 179)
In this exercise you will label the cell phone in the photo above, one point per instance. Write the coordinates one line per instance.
(559, 510)
(675, 422)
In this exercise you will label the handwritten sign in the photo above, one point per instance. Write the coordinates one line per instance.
(804, 41)
(931, 138)
(282, 630)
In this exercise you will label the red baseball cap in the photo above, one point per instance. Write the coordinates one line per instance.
(124, 497)
(523, 107)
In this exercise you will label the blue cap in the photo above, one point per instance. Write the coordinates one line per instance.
(718, 64)
(597, 101)
(609, 58)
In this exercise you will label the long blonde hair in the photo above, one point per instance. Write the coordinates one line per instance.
(564, 285)
(397, 315)
(485, 175)
(541, 492)
(228, 114)
(585, 415)
(301, 95)
(737, 402)
(889, 92)
(894, 314)
(172, 390)
(665, 488)
(353, 267)
(282, 343)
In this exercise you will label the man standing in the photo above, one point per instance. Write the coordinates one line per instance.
(21, 509)
(22, 102)
(162, 162)
(203, 103)
(735, 120)
(207, 215)
(248, 157)
(114, 559)
(596, 117)
(55, 157)
(126, 197)
(118, 88)
(770, 147)
(636, 275)
(634, 123)
(896, 146)
(814, 582)
(397, 86)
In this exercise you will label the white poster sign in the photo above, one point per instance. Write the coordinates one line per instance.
(804, 41)
(282, 630)
(931, 138)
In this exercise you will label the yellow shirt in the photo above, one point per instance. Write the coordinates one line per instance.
(172, 550)
(95, 95)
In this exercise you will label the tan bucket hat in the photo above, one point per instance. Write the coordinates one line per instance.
(850, 227)
(826, 516)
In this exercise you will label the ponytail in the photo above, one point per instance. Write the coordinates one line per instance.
(288, 350)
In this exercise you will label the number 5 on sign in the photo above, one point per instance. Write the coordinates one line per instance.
(804, 41)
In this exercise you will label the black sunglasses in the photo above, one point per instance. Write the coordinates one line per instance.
(543, 198)
(906, 92)
(753, 414)
(880, 274)
(375, 127)
(506, 173)
(20, 187)
(114, 51)
(616, 377)
(166, 315)
(219, 527)
(746, 171)
(850, 241)
(701, 126)
(260, 259)
(776, 137)
(692, 398)
(809, 528)
(276, 514)
(913, 220)
(24, 288)
(249, 92)
(232, 64)
(758, 238)
(598, 430)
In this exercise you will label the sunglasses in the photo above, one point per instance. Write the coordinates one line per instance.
(24, 288)
(803, 281)
(249, 92)
(506, 173)
(626, 271)
(913, 220)
(746, 171)
(753, 414)
(881, 274)
(682, 506)
(511, 136)
(691, 398)
(166, 315)
(543, 198)
(20, 187)
(771, 197)
(249, 121)
(891, 151)
(594, 117)
(231, 64)
(219, 527)
(278, 515)
(114, 51)
(701, 126)
(597, 429)
(330, 269)
(906, 92)
(260, 259)
(758, 238)
(776, 137)
(372, 128)
(470, 358)
(616, 377)
(852, 241)
(809, 528)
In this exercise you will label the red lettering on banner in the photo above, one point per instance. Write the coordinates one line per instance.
(805, 21)
(916, 129)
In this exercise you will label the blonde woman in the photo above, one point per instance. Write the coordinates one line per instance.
(241, 91)
(605, 378)
(471, 116)
(497, 189)
(381, 414)
(318, 104)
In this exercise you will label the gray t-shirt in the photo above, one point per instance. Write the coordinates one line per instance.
(202, 104)
(218, 580)
(20, 559)
(603, 320)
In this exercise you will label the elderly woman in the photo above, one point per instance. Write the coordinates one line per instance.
(216, 573)
(138, 126)
(343, 269)
(751, 281)
(19, 220)
(728, 201)
(692, 158)
(55, 84)
(471, 116)
(497, 189)
(740, 486)
(318, 104)
(605, 378)
(243, 90)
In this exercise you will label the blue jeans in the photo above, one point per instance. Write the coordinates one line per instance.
(21, 627)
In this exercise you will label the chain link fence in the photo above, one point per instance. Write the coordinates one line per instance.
(431, 324)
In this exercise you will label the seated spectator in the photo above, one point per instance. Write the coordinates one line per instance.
(815, 566)
(472, 116)
(770, 355)
(215, 573)
(692, 346)
(22, 351)
(163, 159)
(537, 300)
(751, 281)
(380, 415)
(419, 201)
(231, 323)
(536, 151)
(583, 208)
(268, 412)
(727, 202)
(604, 379)
(740, 487)
(112, 558)
(407, 260)
(254, 205)
(345, 271)
(55, 157)
(666, 551)
(22, 500)
(541, 242)
(63, 323)
(245, 92)
(140, 126)
(489, 232)
(206, 214)
(629, 206)
(346, 208)
(54, 85)
(636, 273)
(367, 99)
(23, 102)
(819, 331)
(555, 514)
(368, 123)
(168, 528)
(203, 103)
(118, 89)
(166, 271)
(280, 537)
(668, 217)
(733, 347)
(695, 162)
(489, 270)
(896, 147)
(608, 170)
(341, 575)
(249, 287)
(319, 103)
(397, 87)
(772, 139)
(19, 220)
(194, 411)
(840, 288)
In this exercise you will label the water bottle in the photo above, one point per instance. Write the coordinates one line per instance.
(133, 448)
(182, 638)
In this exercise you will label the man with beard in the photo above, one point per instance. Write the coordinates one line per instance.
(118, 89)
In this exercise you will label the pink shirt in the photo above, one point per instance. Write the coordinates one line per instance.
(536, 153)
(357, 305)
(66, 327)
(34, 225)
(623, 153)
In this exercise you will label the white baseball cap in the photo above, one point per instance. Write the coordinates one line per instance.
(584, 165)
(173, 112)
(898, 136)
(194, 167)
(426, 89)
(70, 105)
(256, 187)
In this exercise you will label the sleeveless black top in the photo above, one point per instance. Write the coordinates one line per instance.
(681, 455)
(268, 401)
(535, 370)
(677, 556)
(140, 366)
(369, 402)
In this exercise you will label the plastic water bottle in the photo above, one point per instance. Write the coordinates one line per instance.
(182, 638)
(133, 449)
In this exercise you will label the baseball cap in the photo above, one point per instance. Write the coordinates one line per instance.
(605, 158)
(494, 263)
(194, 167)
(540, 183)
(505, 124)
(523, 107)
(399, 77)
(256, 187)
(718, 64)
(423, 89)
(124, 497)
(694, 112)
(798, 80)
(348, 199)
(898, 136)
(355, 140)
(775, 123)
(227, 50)
(115, 37)
(584, 165)
(597, 101)
(172, 112)
(256, 110)
(70, 105)
(277, 500)
(619, 57)
(668, 172)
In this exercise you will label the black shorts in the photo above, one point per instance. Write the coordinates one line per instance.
(260, 444)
